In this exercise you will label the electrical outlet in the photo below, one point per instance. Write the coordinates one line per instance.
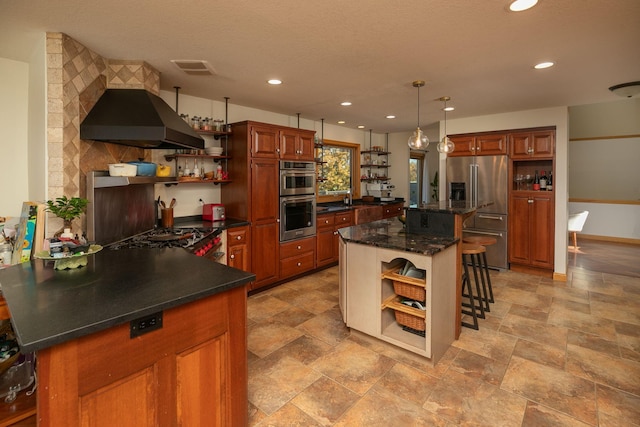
(145, 324)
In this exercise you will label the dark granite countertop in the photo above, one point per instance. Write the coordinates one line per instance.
(333, 207)
(390, 234)
(454, 207)
(49, 307)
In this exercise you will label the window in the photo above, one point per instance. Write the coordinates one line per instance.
(416, 180)
(339, 168)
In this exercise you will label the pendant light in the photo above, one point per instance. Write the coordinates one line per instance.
(418, 141)
(445, 145)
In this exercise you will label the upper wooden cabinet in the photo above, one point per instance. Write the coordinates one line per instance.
(296, 144)
(265, 141)
(489, 144)
(535, 144)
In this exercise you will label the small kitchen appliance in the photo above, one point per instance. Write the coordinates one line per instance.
(213, 212)
(381, 191)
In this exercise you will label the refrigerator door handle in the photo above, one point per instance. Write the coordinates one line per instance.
(474, 185)
(484, 233)
(494, 217)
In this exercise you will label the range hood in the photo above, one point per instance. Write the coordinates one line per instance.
(137, 118)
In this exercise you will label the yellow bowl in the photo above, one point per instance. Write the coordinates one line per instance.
(163, 170)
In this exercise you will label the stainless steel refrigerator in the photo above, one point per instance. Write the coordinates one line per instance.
(484, 179)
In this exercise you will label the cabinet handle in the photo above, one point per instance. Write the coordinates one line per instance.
(238, 237)
(335, 233)
(299, 264)
(232, 256)
(326, 221)
(299, 247)
(530, 201)
(478, 148)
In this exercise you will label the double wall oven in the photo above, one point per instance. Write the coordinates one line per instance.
(297, 200)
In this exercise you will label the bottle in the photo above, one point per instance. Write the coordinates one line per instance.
(536, 182)
(549, 182)
(219, 171)
(543, 181)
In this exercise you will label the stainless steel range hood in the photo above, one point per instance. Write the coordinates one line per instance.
(137, 118)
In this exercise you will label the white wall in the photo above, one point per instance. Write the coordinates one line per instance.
(14, 173)
(557, 117)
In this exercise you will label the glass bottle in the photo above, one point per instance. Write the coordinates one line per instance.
(550, 182)
(536, 182)
(543, 181)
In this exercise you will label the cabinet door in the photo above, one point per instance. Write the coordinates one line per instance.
(543, 144)
(491, 145)
(325, 252)
(520, 216)
(265, 257)
(238, 248)
(306, 146)
(520, 145)
(265, 191)
(542, 230)
(289, 146)
(264, 142)
(464, 146)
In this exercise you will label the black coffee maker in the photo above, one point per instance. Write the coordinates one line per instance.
(457, 191)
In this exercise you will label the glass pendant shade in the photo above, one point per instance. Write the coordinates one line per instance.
(445, 145)
(418, 141)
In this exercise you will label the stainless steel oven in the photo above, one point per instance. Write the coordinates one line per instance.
(297, 217)
(297, 178)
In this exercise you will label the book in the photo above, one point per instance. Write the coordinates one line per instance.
(23, 247)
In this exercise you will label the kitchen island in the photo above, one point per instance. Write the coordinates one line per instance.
(136, 337)
(374, 290)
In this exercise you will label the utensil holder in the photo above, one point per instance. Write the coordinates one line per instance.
(166, 217)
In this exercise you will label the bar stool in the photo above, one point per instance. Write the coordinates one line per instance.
(484, 241)
(471, 257)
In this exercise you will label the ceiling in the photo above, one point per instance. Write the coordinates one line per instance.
(367, 52)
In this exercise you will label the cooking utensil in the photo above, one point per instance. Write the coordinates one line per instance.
(173, 203)
(145, 168)
(164, 206)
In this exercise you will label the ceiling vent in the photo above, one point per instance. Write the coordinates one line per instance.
(194, 67)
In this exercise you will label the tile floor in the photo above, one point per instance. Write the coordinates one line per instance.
(549, 354)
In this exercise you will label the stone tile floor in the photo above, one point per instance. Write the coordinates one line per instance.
(548, 354)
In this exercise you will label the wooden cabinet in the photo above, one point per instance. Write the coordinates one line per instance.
(297, 257)
(392, 210)
(238, 243)
(190, 372)
(296, 144)
(253, 195)
(531, 229)
(327, 238)
(489, 144)
(533, 144)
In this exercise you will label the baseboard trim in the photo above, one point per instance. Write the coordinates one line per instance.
(609, 239)
(559, 277)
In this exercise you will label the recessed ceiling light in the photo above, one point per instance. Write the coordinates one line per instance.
(543, 65)
(341, 122)
(391, 116)
(345, 103)
(360, 126)
(520, 5)
(274, 82)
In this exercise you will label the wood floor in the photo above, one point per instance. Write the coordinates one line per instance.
(605, 257)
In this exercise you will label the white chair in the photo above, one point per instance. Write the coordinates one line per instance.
(576, 222)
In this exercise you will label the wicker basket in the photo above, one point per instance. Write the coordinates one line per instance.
(413, 322)
(407, 290)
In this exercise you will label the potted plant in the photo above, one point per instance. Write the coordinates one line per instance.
(67, 209)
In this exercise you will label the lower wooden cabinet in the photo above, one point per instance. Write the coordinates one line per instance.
(238, 243)
(392, 210)
(192, 371)
(327, 238)
(531, 229)
(297, 257)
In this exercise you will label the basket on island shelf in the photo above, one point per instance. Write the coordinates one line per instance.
(417, 293)
(410, 321)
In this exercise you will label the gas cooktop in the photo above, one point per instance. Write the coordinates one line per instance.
(189, 238)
